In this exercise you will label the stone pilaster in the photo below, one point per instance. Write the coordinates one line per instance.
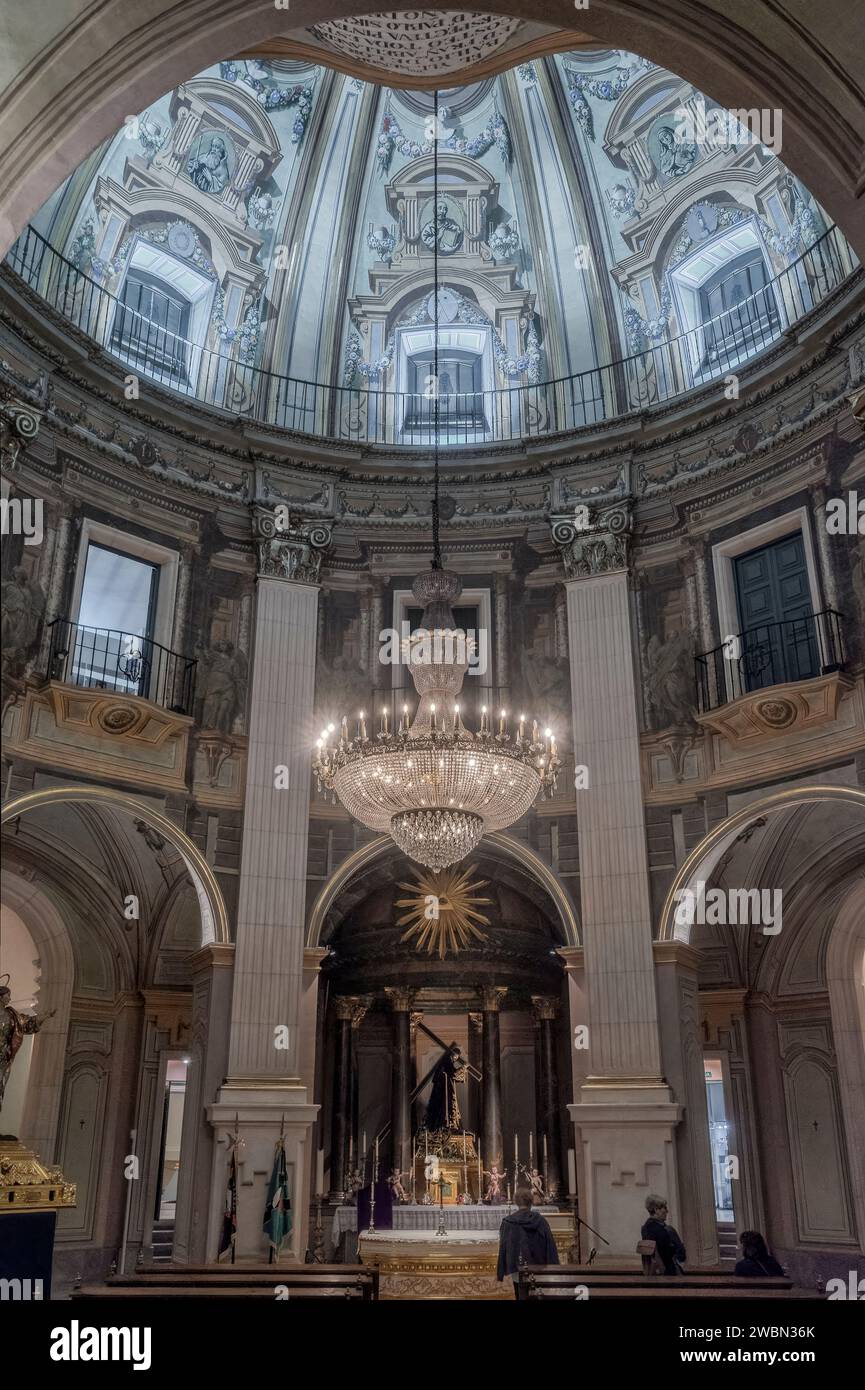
(625, 1112)
(503, 637)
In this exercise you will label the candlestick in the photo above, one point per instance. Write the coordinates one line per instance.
(531, 1148)
(343, 733)
(522, 726)
(480, 1176)
(516, 1155)
(502, 724)
(413, 1172)
(534, 731)
(572, 1172)
(432, 710)
(362, 728)
(483, 719)
(384, 722)
(465, 1167)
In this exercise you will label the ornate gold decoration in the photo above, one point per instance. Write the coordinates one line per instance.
(25, 1183)
(442, 911)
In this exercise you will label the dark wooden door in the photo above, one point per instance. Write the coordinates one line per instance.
(779, 639)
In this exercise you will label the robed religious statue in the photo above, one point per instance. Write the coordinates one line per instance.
(13, 1028)
(443, 1111)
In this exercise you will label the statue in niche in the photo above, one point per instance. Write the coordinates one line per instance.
(670, 680)
(223, 670)
(209, 171)
(341, 681)
(547, 682)
(23, 606)
(442, 231)
(673, 157)
(13, 1029)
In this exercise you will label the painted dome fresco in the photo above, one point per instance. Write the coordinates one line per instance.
(266, 237)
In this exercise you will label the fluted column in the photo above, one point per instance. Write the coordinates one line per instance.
(625, 1112)
(548, 1124)
(400, 1110)
(264, 1094)
(349, 1011)
(503, 637)
(492, 1147)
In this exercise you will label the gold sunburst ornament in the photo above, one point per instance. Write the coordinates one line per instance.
(442, 911)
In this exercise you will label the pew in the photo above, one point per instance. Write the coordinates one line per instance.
(256, 1281)
(562, 1281)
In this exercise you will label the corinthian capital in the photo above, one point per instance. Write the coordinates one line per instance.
(544, 1007)
(594, 540)
(290, 546)
(401, 998)
(491, 997)
(352, 1007)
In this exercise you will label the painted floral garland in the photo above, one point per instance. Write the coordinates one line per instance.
(391, 138)
(274, 98)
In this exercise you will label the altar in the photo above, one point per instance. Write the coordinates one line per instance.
(414, 1261)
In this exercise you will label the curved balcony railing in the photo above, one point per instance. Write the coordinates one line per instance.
(662, 371)
(770, 654)
(102, 658)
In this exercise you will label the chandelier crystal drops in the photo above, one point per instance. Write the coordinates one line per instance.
(435, 786)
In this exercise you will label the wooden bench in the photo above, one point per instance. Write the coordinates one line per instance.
(562, 1281)
(257, 1281)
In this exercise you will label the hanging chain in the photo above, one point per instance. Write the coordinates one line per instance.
(437, 555)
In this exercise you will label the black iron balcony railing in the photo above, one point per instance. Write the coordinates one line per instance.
(102, 658)
(664, 369)
(770, 654)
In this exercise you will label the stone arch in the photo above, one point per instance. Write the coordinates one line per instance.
(214, 917)
(108, 64)
(508, 845)
(845, 971)
(702, 860)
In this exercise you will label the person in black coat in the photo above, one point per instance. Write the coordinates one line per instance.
(756, 1262)
(668, 1247)
(525, 1238)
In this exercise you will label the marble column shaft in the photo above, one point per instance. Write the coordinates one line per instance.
(400, 1002)
(548, 1121)
(492, 1148)
(341, 1124)
(272, 897)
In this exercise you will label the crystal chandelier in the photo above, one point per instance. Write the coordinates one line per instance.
(435, 786)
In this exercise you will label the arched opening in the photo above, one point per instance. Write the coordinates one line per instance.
(113, 904)
(395, 995)
(772, 900)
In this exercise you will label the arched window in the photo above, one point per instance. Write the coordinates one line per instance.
(151, 325)
(737, 309)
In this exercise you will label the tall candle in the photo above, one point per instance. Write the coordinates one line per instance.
(502, 719)
(572, 1172)
(480, 1176)
(465, 1167)
(319, 1172)
(531, 1148)
(516, 1155)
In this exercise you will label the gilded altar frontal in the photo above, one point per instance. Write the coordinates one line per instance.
(433, 674)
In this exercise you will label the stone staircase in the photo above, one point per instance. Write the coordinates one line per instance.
(163, 1242)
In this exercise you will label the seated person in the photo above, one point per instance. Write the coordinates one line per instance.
(668, 1247)
(756, 1262)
